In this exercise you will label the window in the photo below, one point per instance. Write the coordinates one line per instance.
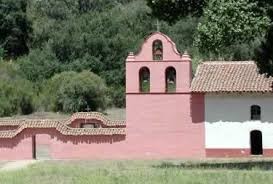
(90, 125)
(144, 80)
(255, 112)
(170, 79)
(157, 50)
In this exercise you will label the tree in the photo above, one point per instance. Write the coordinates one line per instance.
(16, 97)
(264, 53)
(16, 94)
(54, 9)
(40, 64)
(228, 22)
(172, 10)
(2, 53)
(72, 92)
(15, 27)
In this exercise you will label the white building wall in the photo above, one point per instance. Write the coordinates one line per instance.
(228, 124)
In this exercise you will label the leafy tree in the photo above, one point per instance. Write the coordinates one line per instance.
(54, 9)
(228, 22)
(15, 27)
(16, 94)
(89, 35)
(9, 71)
(16, 97)
(40, 64)
(2, 53)
(71, 92)
(264, 53)
(82, 42)
(182, 32)
(172, 10)
(263, 3)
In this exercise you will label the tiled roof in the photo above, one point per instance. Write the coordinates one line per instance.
(62, 126)
(230, 76)
(98, 116)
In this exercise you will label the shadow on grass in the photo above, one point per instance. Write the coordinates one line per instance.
(247, 165)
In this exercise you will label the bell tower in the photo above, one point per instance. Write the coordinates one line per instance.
(158, 100)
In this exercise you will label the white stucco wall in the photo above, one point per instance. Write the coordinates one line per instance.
(228, 124)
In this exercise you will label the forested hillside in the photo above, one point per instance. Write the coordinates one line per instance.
(69, 55)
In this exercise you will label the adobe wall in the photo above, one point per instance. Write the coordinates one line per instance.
(170, 52)
(162, 137)
(18, 148)
(62, 146)
(228, 128)
(161, 126)
(83, 147)
(157, 76)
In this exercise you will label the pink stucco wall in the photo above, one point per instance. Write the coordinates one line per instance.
(161, 124)
(236, 152)
(157, 76)
(82, 147)
(62, 146)
(169, 49)
(19, 147)
(163, 138)
(171, 57)
(158, 125)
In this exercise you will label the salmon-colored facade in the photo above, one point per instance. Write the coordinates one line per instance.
(225, 111)
(159, 124)
(163, 124)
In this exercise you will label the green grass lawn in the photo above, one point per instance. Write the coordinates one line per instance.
(140, 172)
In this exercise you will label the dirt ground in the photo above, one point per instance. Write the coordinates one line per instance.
(14, 165)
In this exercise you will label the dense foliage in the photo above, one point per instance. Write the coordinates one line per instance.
(15, 27)
(228, 22)
(54, 43)
(173, 10)
(72, 92)
(229, 29)
(264, 53)
(16, 94)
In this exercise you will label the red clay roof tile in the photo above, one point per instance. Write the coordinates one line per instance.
(230, 76)
(63, 128)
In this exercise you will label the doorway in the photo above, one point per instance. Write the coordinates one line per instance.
(256, 142)
(40, 150)
(34, 147)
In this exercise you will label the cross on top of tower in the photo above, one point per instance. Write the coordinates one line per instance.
(88, 109)
(157, 26)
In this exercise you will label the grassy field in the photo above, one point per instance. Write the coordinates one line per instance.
(142, 172)
(242, 171)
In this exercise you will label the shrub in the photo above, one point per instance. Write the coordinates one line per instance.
(39, 64)
(16, 97)
(72, 92)
(16, 93)
(117, 95)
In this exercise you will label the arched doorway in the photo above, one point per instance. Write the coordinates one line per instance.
(256, 142)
